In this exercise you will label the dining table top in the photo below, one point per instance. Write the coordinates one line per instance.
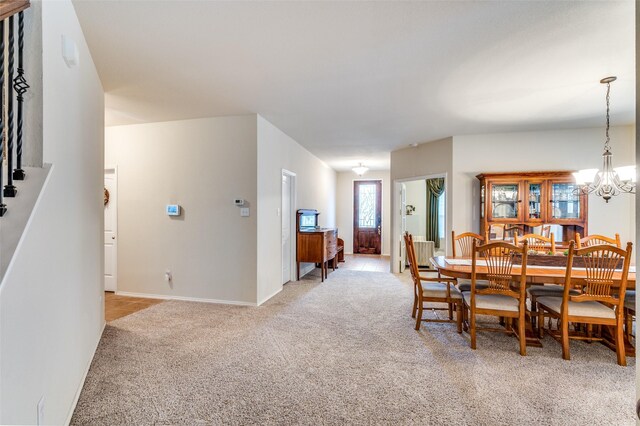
(460, 267)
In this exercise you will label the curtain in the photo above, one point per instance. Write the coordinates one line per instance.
(435, 188)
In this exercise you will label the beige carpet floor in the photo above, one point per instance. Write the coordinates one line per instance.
(341, 352)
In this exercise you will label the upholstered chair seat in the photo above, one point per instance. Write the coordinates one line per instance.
(548, 290)
(464, 284)
(439, 290)
(578, 309)
(493, 302)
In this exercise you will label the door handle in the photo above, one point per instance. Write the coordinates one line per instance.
(379, 230)
(113, 238)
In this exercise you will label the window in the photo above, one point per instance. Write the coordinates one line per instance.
(367, 206)
(441, 219)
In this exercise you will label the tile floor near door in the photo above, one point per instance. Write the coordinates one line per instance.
(116, 306)
(366, 262)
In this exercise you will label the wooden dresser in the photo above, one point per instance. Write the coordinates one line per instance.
(314, 244)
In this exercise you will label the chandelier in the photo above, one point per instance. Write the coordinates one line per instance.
(360, 170)
(608, 182)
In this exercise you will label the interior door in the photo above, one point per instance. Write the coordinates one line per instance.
(286, 228)
(367, 216)
(403, 225)
(110, 230)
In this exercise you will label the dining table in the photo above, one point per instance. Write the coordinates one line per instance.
(460, 267)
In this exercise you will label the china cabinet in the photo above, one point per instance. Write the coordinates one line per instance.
(529, 199)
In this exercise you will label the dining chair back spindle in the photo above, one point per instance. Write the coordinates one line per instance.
(464, 242)
(595, 239)
(537, 242)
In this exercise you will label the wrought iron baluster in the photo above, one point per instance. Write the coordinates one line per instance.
(3, 207)
(20, 85)
(9, 189)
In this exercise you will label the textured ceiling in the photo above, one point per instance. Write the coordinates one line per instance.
(352, 81)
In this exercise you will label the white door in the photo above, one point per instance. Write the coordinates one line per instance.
(403, 224)
(110, 230)
(286, 228)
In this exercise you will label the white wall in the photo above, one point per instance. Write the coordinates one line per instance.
(345, 207)
(424, 160)
(51, 307)
(202, 165)
(538, 151)
(315, 187)
(417, 197)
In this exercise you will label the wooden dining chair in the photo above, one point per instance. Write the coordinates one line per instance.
(537, 242)
(434, 290)
(598, 303)
(464, 242)
(595, 239)
(500, 298)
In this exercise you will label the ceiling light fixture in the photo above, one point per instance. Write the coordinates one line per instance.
(608, 182)
(360, 170)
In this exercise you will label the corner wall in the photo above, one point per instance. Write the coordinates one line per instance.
(201, 165)
(51, 298)
(345, 207)
(315, 189)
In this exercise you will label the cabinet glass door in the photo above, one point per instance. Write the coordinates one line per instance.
(565, 201)
(534, 201)
(504, 200)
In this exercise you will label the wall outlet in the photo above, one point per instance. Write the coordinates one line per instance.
(244, 212)
(40, 418)
(168, 277)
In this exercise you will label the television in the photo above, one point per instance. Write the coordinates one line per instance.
(307, 219)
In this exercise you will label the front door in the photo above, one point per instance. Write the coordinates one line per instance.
(110, 230)
(367, 216)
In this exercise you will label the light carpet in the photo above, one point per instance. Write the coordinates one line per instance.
(340, 352)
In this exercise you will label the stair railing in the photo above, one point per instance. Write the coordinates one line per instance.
(15, 82)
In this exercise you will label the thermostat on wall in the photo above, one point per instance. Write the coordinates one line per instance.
(173, 210)
(238, 202)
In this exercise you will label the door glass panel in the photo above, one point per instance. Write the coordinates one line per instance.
(367, 206)
(535, 192)
(504, 201)
(565, 201)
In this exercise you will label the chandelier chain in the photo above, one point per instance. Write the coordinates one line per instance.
(607, 147)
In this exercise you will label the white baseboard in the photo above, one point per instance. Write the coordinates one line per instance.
(183, 298)
(260, 302)
(84, 378)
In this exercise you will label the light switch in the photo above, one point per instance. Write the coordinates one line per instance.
(244, 212)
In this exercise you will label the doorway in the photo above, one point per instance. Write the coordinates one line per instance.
(288, 226)
(367, 217)
(420, 208)
(110, 229)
